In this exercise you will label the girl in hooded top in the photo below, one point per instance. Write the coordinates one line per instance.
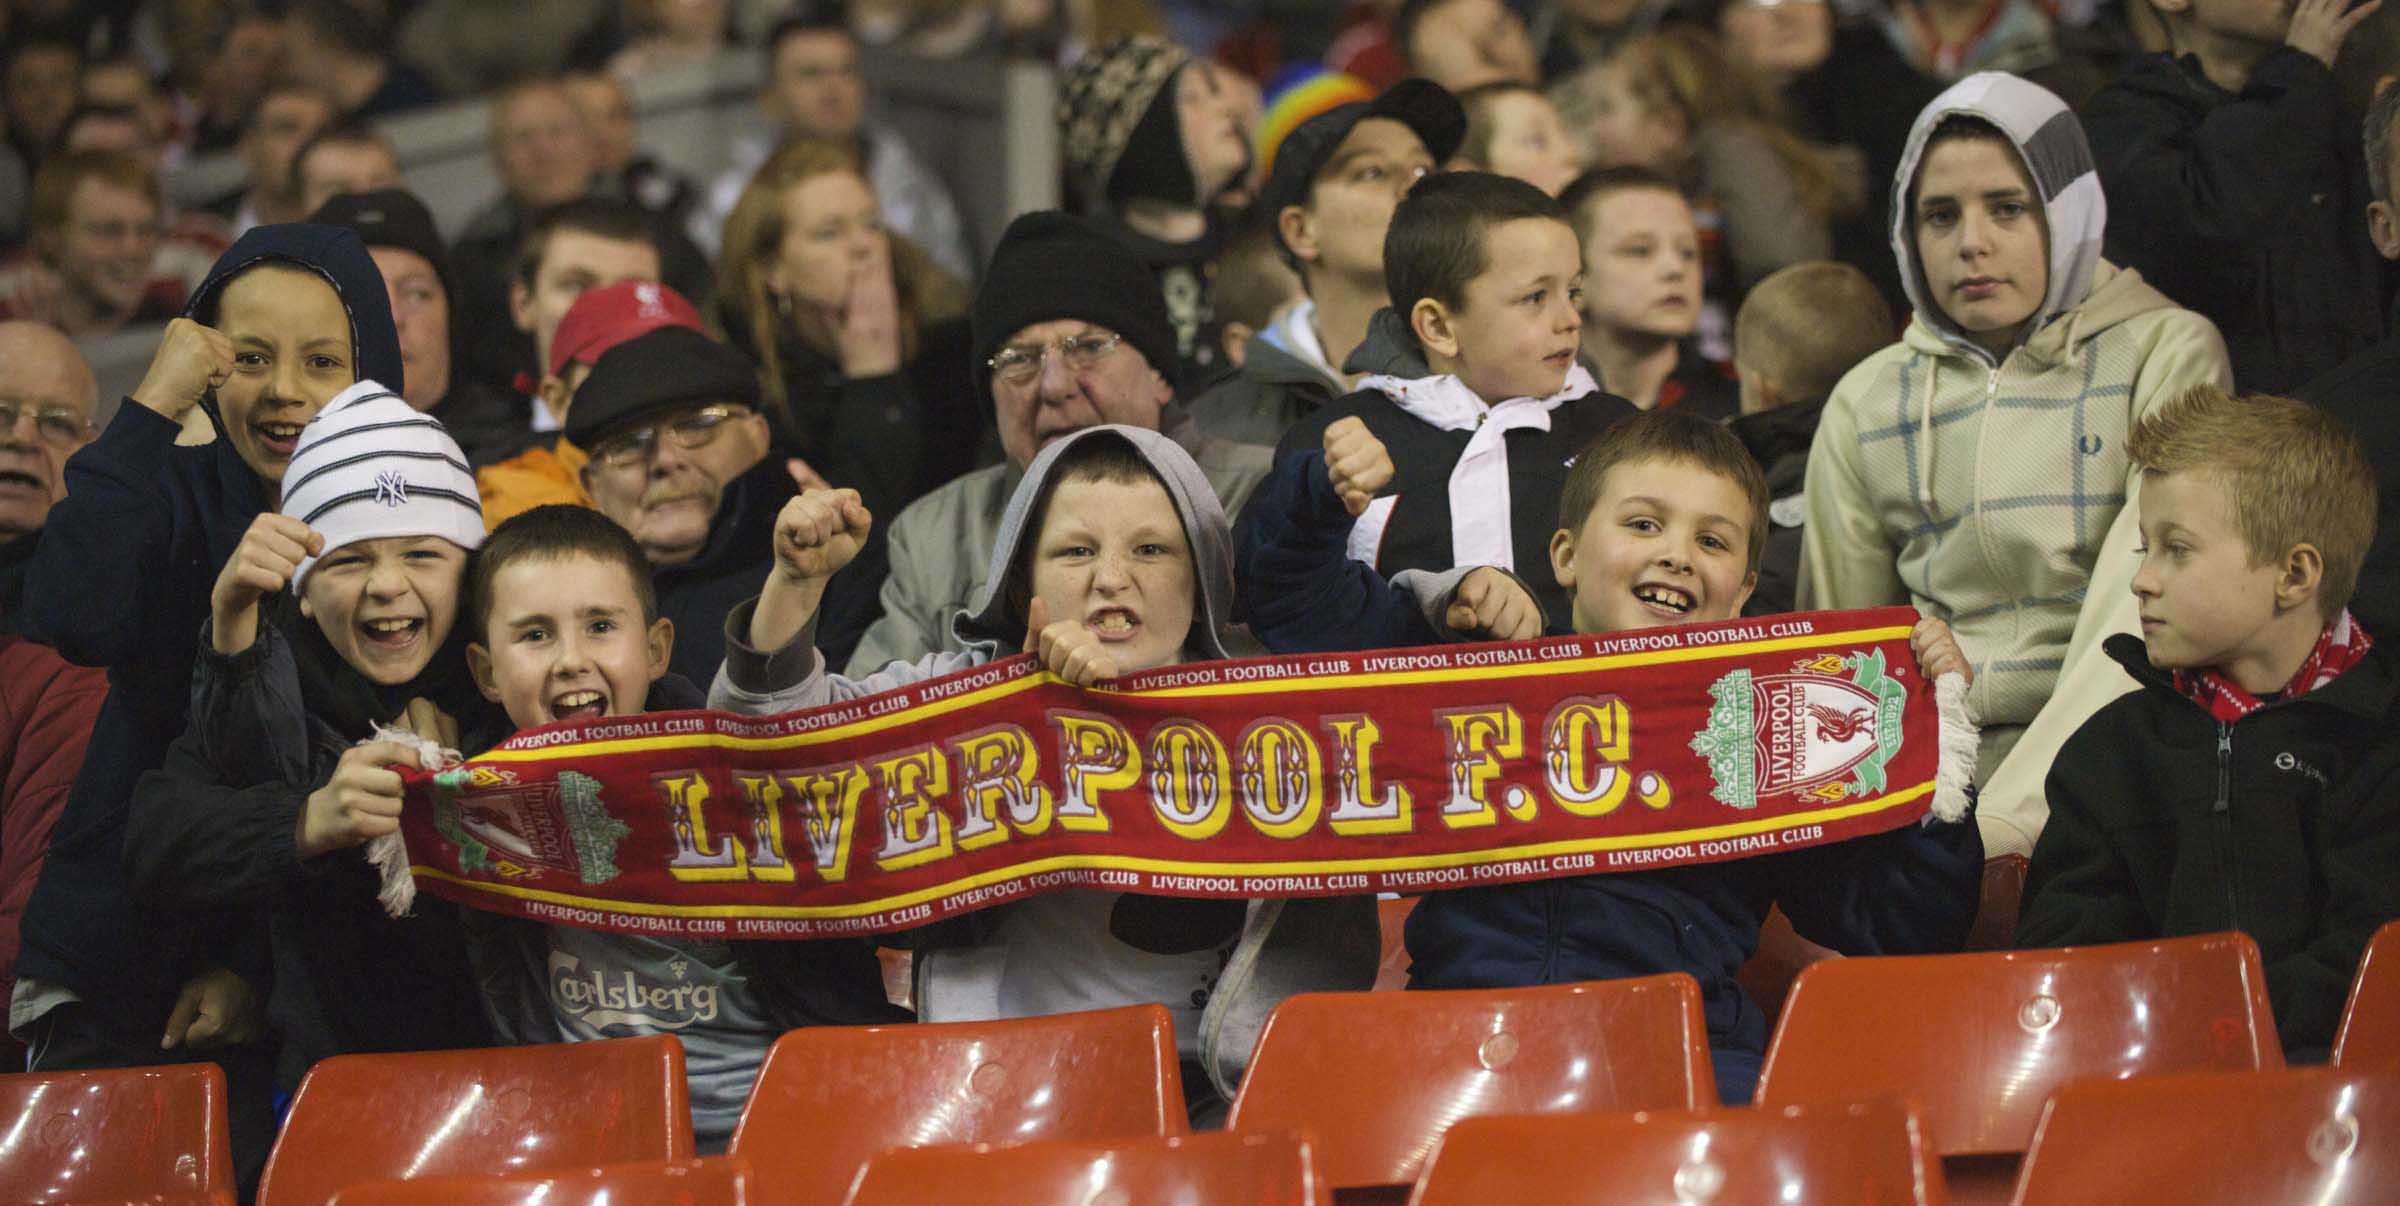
(1977, 468)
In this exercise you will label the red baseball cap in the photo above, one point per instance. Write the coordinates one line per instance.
(604, 317)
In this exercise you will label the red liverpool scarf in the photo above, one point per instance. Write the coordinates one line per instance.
(1399, 770)
(2339, 647)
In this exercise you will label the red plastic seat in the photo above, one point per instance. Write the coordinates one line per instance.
(2370, 1034)
(1376, 1078)
(2324, 1136)
(1261, 1169)
(1979, 1041)
(832, 1097)
(716, 1181)
(494, 1110)
(114, 1133)
(1830, 1153)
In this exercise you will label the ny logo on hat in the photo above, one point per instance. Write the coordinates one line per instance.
(391, 489)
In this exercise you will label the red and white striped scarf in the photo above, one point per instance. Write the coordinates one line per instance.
(2338, 648)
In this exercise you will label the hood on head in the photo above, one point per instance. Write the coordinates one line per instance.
(2050, 142)
(986, 619)
(333, 253)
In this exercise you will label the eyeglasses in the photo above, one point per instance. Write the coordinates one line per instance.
(58, 426)
(1020, 363)
(698, 429)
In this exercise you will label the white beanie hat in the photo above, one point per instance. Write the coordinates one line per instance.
(371, 466)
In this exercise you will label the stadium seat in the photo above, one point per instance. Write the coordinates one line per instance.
(493, 1110)
(717, 1181)
(2370, 1034)
(1375, 1078)
(2324, 1136)
(832, 1097)
(1980, 1040)
(1258, 1169)
(122, 1134)
(1829, 1153)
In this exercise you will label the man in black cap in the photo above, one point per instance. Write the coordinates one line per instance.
(400, 235)
(678, 456)
(1070, 332)
(1329, 197)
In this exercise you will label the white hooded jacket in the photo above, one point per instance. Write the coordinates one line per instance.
(1995, 493)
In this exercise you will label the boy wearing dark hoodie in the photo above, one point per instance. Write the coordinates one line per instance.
(2235, 165)
(2253, 782)
(288, 318)
(1798, 333)
(1473, 387)
(1977, 467)
(262, 803)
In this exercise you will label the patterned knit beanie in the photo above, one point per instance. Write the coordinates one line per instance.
(1106, 95)
(371, 466)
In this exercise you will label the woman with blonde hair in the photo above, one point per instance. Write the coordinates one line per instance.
(862, 342)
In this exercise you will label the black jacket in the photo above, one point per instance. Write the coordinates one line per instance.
(892, 438)
(489, 424)
(1779, 440)
(1418, 533)
(121, 580)
(2284, 825)
(2249, 209)
(213, 831)
(2365, 394)
(729, 568)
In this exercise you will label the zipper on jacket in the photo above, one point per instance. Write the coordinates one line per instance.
(2222, 814)
(1991, 386)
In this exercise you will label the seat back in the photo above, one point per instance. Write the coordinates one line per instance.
(1832, 1153)
(716, 1181)
(2370, 1034)
(1375, 1078)
(121, 1133)
(492, 1110)
(832, 1097)
(1257, 1169)
(1980, 1040)
(2325, 1136)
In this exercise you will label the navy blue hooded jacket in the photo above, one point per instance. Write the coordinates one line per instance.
(121, 581)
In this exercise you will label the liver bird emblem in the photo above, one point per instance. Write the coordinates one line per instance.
(1834, 724)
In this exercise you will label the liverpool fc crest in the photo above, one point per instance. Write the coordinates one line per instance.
(1812, 733)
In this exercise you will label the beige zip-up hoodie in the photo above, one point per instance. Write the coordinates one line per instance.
(1996, 494)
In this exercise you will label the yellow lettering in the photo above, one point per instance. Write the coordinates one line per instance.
(1478, 738)
(1282, 777)
(1191, 779)
(697, 859)
(1359, 809)
(915, 829)
(996, 768)
(1095, 755)
(1586, 741)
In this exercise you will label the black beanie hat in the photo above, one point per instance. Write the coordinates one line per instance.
(1155, 164)
(668, 369)
(391, 217)
(1050, 266)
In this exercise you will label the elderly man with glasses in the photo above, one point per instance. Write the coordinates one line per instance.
(677, 454)
(46, 401)
(1070, 332)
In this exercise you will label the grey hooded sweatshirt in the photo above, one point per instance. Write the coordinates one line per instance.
(1218, 967)
(1994, 492)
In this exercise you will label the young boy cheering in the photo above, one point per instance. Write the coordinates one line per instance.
(2253, 783)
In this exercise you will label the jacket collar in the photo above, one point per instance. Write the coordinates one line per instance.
(2367, 690)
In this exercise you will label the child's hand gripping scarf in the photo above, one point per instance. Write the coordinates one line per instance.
(2339, 647)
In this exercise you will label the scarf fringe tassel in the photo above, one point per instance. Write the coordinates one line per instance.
(1953, 782)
